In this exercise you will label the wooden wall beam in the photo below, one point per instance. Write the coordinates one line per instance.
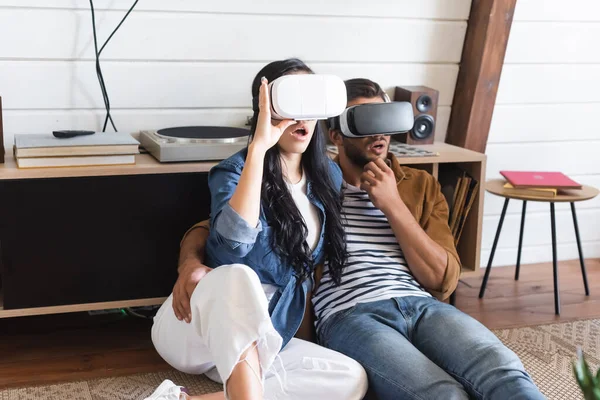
(480, 68)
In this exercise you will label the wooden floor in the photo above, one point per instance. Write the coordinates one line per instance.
(54, 348)
(530, 300)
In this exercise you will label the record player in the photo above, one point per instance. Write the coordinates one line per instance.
(194, 143)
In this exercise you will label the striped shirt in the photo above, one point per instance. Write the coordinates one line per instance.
(376, 268)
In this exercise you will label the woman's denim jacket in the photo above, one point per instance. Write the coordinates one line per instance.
(233, 241)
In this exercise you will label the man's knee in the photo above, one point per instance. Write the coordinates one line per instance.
(506, 377)
(503, 357)
(499, 365)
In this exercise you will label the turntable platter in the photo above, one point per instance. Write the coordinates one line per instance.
(204, 133)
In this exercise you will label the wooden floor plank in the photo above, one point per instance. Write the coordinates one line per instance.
(55, 348)
(78, 367)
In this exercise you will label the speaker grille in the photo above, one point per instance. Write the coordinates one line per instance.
(424, 103)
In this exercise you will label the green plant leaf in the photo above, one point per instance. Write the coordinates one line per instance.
(579, 376)
(590, 378)
(588, 382)
(582, 372)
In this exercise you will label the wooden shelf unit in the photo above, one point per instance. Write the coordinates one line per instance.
(145, 164)
(25, 312)
(468, 248)
(474, 163)
(135, 193)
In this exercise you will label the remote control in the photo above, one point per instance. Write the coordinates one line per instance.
(71, 133)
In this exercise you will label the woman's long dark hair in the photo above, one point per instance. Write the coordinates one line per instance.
(289, 228)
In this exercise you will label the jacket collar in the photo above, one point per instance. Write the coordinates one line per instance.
(397, 168)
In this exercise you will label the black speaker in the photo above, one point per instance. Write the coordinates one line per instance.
(424, 101)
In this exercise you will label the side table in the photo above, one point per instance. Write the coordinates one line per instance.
(496, 186)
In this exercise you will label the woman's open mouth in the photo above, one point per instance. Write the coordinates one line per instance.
(301, 133)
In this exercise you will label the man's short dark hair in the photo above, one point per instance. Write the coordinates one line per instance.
(361, 87)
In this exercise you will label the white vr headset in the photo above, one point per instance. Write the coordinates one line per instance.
(306, 97)
(373, 119)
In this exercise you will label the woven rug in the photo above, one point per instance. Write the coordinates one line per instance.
(547, 352)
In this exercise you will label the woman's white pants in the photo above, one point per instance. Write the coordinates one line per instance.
(229, 314)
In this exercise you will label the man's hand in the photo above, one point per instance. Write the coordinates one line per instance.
(379, 181)
(191, 271)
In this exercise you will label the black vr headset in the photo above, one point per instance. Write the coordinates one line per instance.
(373, 119)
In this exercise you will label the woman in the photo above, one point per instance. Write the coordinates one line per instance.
(275, 214)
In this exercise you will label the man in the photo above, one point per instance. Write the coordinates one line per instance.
(386, 313)
(401, 254)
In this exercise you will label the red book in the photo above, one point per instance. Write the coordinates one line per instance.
(535, 179)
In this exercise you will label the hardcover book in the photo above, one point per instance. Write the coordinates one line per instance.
(535, 179)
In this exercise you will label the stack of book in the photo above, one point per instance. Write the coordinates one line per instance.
(101, 148)
(537, 184)
(460, 190)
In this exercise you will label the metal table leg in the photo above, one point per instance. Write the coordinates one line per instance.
(583, 273)
(489, 266)
(554, 262)
(520, 240)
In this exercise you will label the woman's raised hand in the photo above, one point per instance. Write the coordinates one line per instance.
(267, 134)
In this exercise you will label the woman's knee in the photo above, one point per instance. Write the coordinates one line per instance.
(226, 277)
(236, 272)
(355, 382)
(234, 281)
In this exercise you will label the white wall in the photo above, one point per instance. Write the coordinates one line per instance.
(546, 119)
(185, 62)
(189, 62)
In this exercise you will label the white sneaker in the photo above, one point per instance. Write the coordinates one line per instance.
(167, 390)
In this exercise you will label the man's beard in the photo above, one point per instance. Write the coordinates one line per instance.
(357, 156)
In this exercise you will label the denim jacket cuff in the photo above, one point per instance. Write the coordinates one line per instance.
(233, 227)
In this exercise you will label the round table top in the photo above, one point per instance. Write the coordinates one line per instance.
(496, 186)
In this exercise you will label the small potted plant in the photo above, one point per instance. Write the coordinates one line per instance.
(588, 381)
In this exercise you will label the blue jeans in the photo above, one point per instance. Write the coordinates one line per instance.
(420, 348)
